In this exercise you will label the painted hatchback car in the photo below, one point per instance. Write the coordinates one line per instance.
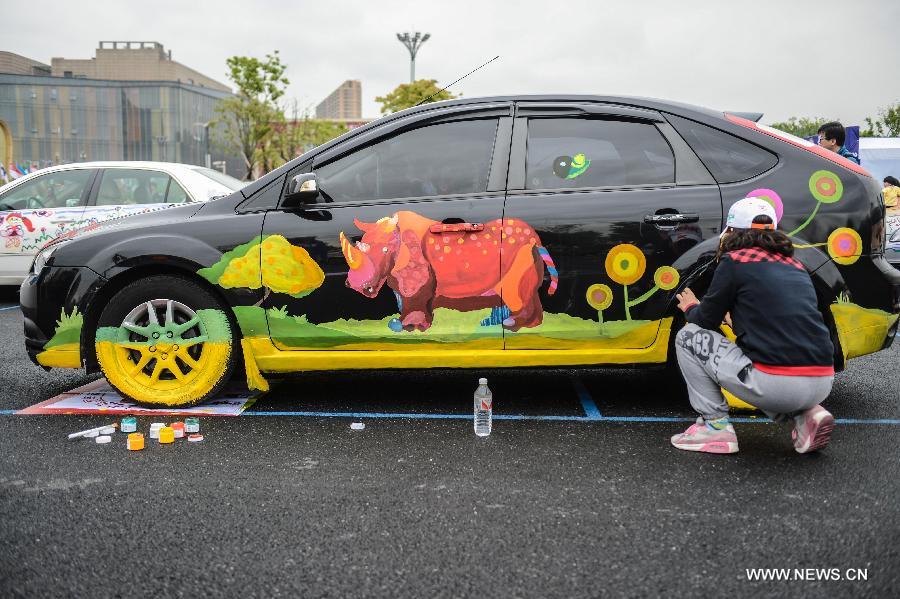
(52, 201)
(498, 232)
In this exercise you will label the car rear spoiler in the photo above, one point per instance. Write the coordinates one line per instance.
(750, 116)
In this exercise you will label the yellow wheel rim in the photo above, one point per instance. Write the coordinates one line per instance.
(166, 354)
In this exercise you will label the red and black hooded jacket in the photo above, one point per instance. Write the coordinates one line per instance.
(774, 310)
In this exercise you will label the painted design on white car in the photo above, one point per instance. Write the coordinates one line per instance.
(892, 249)
(27, 231)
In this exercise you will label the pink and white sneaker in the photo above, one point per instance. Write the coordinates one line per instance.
(812, 429)
(700, 437)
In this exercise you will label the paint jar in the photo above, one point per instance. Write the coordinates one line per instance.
(195, 438)
(166, 435)
(103, 439)
(155, 428)
(178, 428)
(135, 442)
(129, 424)
(192, 425)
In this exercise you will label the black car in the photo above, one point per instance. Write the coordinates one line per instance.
(492, 232)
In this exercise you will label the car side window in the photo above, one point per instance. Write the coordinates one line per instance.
(573, 153)
(443, 159)
(727, 157)
(62, 189)
(176, 194)
(132, 186)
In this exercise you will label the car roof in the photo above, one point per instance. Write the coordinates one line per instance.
(641, 101)
(121, 164)
(172, 167)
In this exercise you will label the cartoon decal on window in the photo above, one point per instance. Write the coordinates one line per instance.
(568, 167)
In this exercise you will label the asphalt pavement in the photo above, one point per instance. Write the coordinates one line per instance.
(576, 493)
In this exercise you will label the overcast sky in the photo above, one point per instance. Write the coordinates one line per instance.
(783, 57)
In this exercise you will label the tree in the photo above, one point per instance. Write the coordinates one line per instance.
(886, 125)
(407, 95)
(244, 121)
(257, 79)
(802, 126)
(241, 126)
(294, 136)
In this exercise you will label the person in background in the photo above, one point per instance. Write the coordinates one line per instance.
(782, 361)
(891, 193)
(832, 137)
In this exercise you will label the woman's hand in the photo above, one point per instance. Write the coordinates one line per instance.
(727, 319)
(686, 299)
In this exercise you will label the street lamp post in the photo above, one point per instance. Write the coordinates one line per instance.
(413, 41)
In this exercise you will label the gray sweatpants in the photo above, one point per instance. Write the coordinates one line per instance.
(709, 361)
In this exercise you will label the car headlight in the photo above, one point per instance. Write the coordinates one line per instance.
(42, 257)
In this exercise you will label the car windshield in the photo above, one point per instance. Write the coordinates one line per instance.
(221, 178)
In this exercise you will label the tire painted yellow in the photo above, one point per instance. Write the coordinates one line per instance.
(734, 402)
(116, 355)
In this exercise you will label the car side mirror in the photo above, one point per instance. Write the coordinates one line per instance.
(302, 189)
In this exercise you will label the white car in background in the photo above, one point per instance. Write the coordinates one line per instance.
(47, 203)
(892, 250)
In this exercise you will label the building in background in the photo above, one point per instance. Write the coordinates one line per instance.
(16, 64)
(344, 103)
(132, 61)
(130, 102)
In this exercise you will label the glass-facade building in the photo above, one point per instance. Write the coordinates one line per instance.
(53, 120)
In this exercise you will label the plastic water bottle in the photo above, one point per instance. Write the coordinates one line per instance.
(484, 409)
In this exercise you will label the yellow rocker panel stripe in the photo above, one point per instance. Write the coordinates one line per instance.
(270, 359)
(67, 355)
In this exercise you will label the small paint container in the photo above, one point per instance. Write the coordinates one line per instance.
(109, 430)
(195, 438)
(135, 442)
(166, 435)
(358, 426)
(178, 428)
(155, 428)
(103, 439)
(128, 425)
(192, 425)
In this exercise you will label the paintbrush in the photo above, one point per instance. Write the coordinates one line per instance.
(91, 430)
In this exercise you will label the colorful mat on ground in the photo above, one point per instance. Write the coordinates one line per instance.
(98, 397)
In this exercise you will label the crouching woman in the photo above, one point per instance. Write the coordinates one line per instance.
(782, 359)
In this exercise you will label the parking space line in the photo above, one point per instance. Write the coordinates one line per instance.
(8, 308)
(407, 415)
(587, 402)
(424, 416)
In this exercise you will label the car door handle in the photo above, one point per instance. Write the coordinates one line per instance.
(455, 227)
(670, 219)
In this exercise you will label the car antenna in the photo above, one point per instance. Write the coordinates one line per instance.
(457, 81)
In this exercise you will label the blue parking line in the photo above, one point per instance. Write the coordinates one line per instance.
(9, 308)
(409, 416)
(598, 418)
(587, 402)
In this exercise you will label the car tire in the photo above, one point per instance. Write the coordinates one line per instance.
(166, 341)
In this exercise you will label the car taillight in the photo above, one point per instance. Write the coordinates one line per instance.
(800, 143)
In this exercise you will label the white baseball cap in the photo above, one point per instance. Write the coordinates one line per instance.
(742, 213)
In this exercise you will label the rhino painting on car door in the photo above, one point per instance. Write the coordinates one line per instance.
(431, 265)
